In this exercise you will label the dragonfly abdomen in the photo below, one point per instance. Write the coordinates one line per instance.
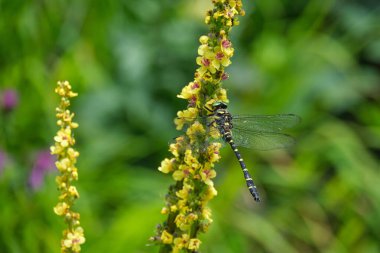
(248, 178)
(224, 125)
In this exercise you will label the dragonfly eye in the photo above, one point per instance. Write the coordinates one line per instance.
(219, 105)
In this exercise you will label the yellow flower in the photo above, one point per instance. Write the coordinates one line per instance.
(221, 59)
(178, 175)
(207, 174)
(185, 116)
(206, 219)
(209, 193)
(205, 65)
(63, 164)
(61, 208)
(195, 132)
(73, 191)
(173, 148)
(74, 239)
(226, 47)
(182, 205)
(63, 137)
(60, 181)
(166, 166)
(218, 14)
(222, 95)
(164, 210)
(181, 223)
(192, 217)
(56, 149)
(64, 90)
(206, 214)
(173, 208)
(194, 244)
(207, 19)
(73, 154)
(190, 160)
(184, 192)
(181, 242)
(74, 174)
(213, 152)
(166, 237)
(203, 39)
(206, 59)
(190, 92)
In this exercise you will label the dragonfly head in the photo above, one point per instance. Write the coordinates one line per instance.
(219, 105)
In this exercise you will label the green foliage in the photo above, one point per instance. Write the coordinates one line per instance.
(129, 59)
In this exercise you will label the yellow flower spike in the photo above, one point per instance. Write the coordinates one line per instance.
(193, 154)
(66, 158)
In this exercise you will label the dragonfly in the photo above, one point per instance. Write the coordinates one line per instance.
(260, 132)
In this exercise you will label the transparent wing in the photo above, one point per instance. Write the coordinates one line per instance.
(262, 140)
(265, 123)
(261, 132)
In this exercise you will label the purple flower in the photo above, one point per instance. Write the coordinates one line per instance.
(9, 99)
(44, 163)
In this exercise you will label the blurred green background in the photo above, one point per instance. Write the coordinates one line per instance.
(129, 59)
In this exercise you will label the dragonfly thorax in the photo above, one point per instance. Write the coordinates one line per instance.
(219, 105)
(223, 121)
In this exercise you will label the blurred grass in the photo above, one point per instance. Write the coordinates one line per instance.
(129, 59)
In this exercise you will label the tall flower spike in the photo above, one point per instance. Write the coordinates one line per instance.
(193, 154)
(73, 236)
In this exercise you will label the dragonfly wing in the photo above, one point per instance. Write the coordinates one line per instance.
(265, 123)
(262, 140)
